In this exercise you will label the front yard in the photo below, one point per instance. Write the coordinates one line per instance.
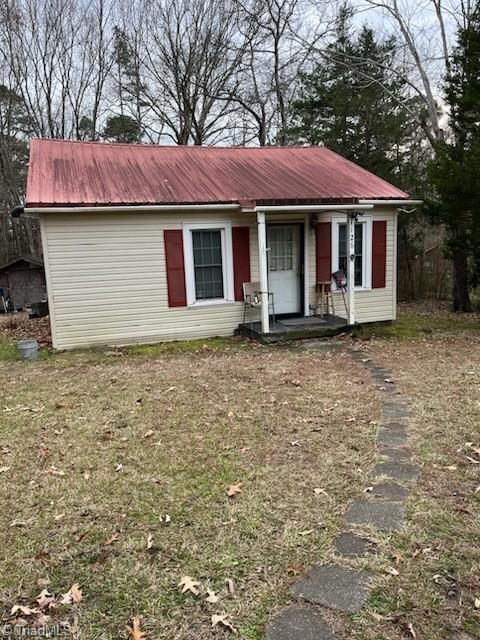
(115, 467)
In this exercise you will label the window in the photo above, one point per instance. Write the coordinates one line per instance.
(281, 248)
(208, 263)
(343, 251)
(363, 250)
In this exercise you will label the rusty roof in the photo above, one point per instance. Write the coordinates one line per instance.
(67, 173)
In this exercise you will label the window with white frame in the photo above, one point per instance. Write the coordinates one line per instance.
(208, 262)
(363, 250)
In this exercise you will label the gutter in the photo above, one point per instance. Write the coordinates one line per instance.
(130, 208)
(314, 207)
(391, 202)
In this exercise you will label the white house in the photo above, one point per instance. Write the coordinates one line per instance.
(146, 243)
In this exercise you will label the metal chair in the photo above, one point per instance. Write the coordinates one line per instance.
(253, 300)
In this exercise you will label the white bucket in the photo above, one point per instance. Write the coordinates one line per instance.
(28, 349)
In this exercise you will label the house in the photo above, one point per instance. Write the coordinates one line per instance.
(147, 243)
(22, 281)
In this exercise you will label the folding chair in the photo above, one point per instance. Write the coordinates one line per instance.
(253, 300)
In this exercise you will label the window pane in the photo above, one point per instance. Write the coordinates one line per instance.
(342, 242)
(208, 265)
(343, 251)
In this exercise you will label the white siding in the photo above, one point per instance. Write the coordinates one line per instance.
(108, 285)
(107, 282)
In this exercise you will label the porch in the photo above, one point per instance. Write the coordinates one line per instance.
(297, 328)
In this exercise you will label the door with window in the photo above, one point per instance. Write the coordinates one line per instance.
(284, 267)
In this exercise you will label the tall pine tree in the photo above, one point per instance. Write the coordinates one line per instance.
(352, 100)
(455, 173)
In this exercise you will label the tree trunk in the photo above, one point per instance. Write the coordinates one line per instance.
(461, 294)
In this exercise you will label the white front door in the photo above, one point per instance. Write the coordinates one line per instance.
(284, 268)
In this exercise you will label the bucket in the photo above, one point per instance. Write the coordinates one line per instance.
(28, 349)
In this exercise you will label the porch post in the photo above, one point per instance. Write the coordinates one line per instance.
(263, 268)
(351, 266)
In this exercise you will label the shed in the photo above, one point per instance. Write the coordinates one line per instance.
(23, 281)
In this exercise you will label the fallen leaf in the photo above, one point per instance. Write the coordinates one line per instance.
(73, 595)
(119, 467)
(212, 597)
(306, 533)
(27, 611)
(234, 489)
(189, 584)
(230, 585)
(398, 558)
(59, 516)
(411, 630)
(86, 475)
(472, 460)
(318, 491)
(149, 433)
(392, 571)
(149, 541)
(134, 631)
(222, 619)
(477, 603)
(113, 538)
(4, 469)
(45, 599)
(295, 443)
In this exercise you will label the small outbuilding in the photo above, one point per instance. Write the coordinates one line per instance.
(147, 243)
(22, 282)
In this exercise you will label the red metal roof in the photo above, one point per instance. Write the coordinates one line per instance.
(66, 173)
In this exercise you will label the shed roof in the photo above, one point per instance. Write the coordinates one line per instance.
(36, 262)
(67, 173)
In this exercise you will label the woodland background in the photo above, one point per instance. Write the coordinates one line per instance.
(380, 81)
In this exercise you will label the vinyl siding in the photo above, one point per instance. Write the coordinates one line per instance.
(107, 282)
(371, 305)
(108, 285)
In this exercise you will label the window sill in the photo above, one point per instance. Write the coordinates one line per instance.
(214, 302)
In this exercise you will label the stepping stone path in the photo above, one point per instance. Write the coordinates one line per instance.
(384, 516)
(340, 587)
(349, 545)
(298, 622)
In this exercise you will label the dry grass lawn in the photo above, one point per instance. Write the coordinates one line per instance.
(96, 448)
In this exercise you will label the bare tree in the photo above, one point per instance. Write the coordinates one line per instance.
(423, 28)
(193, 50)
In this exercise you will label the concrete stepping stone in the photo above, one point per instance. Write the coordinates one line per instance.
(400, 471)
(389, 491)
(400, 454)
(397, 412)
(334, 587)
(390, 437)
(384, 516)
(298, 623)
(350, 545)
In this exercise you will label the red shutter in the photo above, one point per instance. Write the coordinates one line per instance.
(241, 259)
(177, 295)
(379, 254)
(323, 233)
